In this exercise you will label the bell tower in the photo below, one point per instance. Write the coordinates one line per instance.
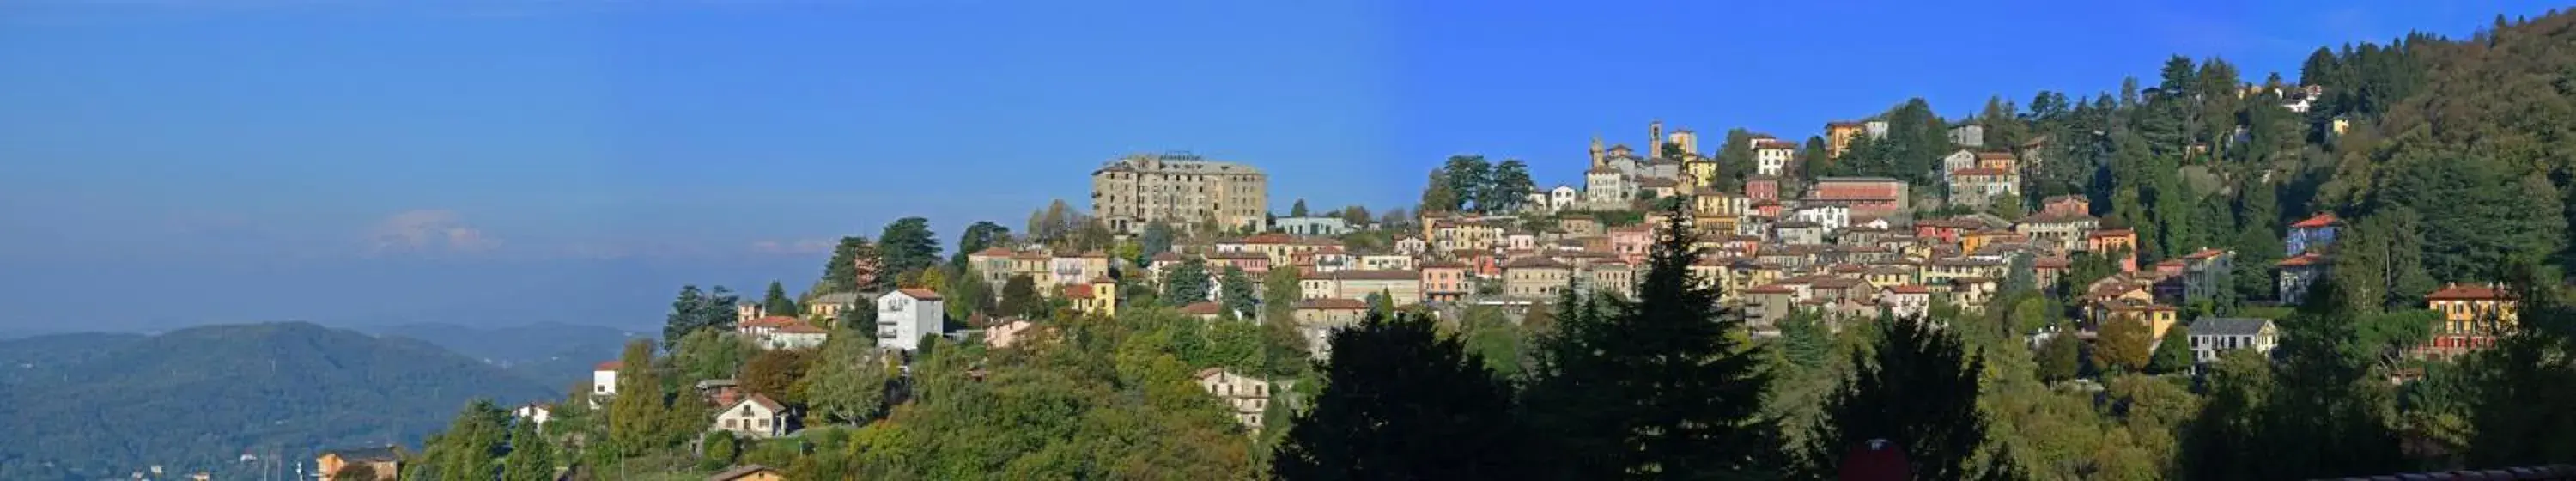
(1596, 151)
(1655, 139)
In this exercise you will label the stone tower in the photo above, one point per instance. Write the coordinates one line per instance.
(1655, 139)
(1597, 153)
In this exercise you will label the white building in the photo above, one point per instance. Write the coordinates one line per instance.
(1771, 156)
(535, 413)
(1562, 197)
(776, 332)
(1833, 217)
(905, 315)
(1412, 246)
(2213, 336)
(1248, 396)
(755, 417)
(1606, 187)
(603, 382)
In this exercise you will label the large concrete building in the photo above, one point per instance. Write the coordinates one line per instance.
(1179, 188)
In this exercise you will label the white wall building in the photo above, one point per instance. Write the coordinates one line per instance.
(905, 315)
(1771, 156)
(1248, 396)
(2213, 336)
(1833, 217)
(754, 416)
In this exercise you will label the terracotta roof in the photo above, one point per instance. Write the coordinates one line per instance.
(1365, 275)
(764, 402)
(994, 251)
(1032, 255)
(607, 365)
(2204, 253)
(1202, 309)
(1077, 292)
(1773, 144)
(1534, 262)
(2464, 292)
(2306, 259)
(919, 293)
(1234, 255)
(2051, 263)
(1266, 238)
(1994, 156)
(1601, 170)
(1441, 265)
(2112, 233)
(801, 327)
(2321, 220)
(1653, 182)
(1909, 289)
(1095, 253)
(746, 470)
(1332, 304)
(771, 321)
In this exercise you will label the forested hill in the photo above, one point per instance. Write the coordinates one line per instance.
(552, 353)
(196, 399)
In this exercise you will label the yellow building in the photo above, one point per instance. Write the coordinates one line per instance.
(2473, 316)
(2157, 316)
(1100, 296)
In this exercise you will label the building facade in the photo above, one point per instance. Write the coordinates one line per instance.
(903, 316)
(1178, 188)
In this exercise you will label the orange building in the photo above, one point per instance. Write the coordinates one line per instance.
(2109, 241)
(1838, 137)
(2473, 316)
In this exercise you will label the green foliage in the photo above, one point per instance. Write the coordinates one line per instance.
(1918, 391)
(1401, 402)
(636, 415)
(2122, 345)
(1486, 332)
(708, 354)
(531, 457)
(470, 449)
(721, 449)
(981, 235)
(776, 301)
(1470, 179)
(1279, 294)
(854, 266)
(1664, 385)
(1236, 289)
(847, 383)
(2173, 353)
(694, 311)
(779, 374)
(2060, 358)
(1510, 189)
(1186, 283)
(906, 245)
(1020, 298)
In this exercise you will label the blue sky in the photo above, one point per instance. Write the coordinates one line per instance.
(173, 162)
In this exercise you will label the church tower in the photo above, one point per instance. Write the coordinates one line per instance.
(1597, 152)
(1655, 139)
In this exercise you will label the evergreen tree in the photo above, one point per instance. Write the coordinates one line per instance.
(777, 302)
(848, 383)
(1400, 401)
(1468, 177)
(1186, 283)
(1298, 209)
(906, 246)
(854, 266)
(1439, 194)
(1919, 391)
(1511, 186)
(531, 458)
(1664, 387)
(695, 310)
(1240, 296)
(981, 235)
(470, 449)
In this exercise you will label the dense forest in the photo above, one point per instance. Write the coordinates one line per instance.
(93, 406)
(2450, 159)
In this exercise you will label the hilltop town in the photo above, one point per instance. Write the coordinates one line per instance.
(2070, 288)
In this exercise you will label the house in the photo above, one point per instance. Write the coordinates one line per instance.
(1401, 287)
(1007, 333)
(752, 472)
(1768, 304)
(1872, 196)
(2158, 317)
(1611, 275)
(1248, 396)
(1099, 297)
(1630, 243)
(539, 413)
(603, 381)
(1605, 187)
(2062, 231)
(1906, 300)
(1833, 217)
(1771, 156)
(718, 392)
(1536, 277)
(755, 416)
(1971, 135)
(1980, 187)
(830, 306)
(1386, 262)
(1659, 187)
(2473, 316)
(1838, 137)
(2213, 336)
(1801, 233)
(783, 333)
(2314, 234)
(2207, 272)
(2115, 242)
(1410, 246)
(386, 462)
(1760, 188)
(1445, 281)
(1311, 226)
(907, 314)
(2066, 205)
(2297, 274)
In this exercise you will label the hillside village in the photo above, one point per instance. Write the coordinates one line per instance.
(2140, 284)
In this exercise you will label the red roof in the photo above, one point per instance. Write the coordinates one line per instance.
(1994, 156)
(2302, 260)
(2468, 292)
(2204, 253)
(800, 327)
(2112, 233)
(771, 321)
(611, 365)
(2321, 220)
(919, 293)
(1202, 309)
(994, 251)
(1346, 304)
(1077, 292)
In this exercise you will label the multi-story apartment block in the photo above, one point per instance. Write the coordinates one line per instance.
(1771, 156)
(1179, 188)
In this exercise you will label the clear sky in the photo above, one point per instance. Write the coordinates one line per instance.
(175, 162)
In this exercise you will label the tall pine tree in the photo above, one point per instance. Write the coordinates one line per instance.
(1918, 390)
(1402, 401)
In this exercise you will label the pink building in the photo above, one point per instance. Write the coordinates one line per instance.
(1761, 188)
(1865, 195)
(1445, 281)
(1630, 242)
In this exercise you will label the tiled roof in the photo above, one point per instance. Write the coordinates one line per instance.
(2306, 259)
(2468, 292)
(919, 293)
(1534, 262)
(607, 365)
(2321, 220)
(1332, 304)
(1202, 309)
(2228, 326)
(1365, 275)
(1980, 171)
(994, 251)
(1909, 289)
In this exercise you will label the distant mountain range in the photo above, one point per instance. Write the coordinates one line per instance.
(552, 353)
(95, 406)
